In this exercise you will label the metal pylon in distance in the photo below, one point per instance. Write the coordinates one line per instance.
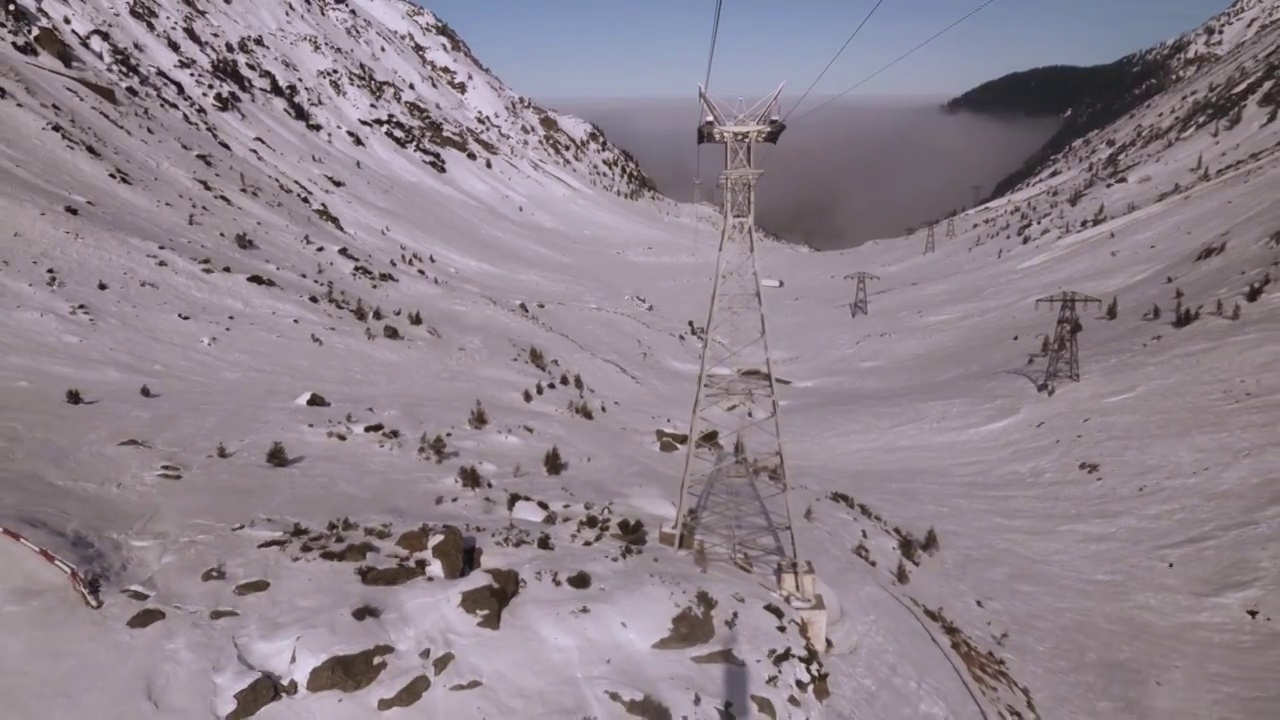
(734, 501)
(928, 241)
(951, 227)
(1064, 350)
(860, 292)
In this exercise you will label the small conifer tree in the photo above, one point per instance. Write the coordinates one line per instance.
(901, 574)
(479, 418)
(438, 447)
(221, 452)
(74, 398)
(930, 545)
(552, 461)
(470, 477)
(145, 391)
(1113, 308)
(537, 359)
(277, 456)
(1235, 312)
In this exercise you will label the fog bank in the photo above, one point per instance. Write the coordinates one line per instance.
(848, 173)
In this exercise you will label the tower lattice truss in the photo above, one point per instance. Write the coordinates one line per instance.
(1064, 349)
(734, 498)
(859, 304)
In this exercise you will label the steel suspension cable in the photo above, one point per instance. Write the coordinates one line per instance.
(706, 85)
(897, 60)
(835, 57)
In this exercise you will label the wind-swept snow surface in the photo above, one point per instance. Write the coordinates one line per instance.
(421, 285)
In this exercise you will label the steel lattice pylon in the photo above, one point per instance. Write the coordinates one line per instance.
(929, 245)
(951, 227)
(1064, 345)
(860, 292)
(734, 501)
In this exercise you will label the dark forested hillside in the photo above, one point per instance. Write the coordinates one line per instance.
(1087, 98)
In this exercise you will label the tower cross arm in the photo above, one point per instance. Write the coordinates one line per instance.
(861, 276)
(761, 123)
(1069, 297)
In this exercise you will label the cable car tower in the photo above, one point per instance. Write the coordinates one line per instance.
(734, 502)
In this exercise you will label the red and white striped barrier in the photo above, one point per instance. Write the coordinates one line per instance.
(87, 589)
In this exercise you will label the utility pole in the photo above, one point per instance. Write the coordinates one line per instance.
(734, 499)
(928, 240)
(1064, 347)
(860, 293)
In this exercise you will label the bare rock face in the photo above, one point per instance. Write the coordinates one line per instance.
(691, 626)
(580, 580)
(442, 663)
(646, 708)
(145, 618)
(349, 673)
(51, 42)
(674, 438)
(258, 694)
(450, 552)
(414, 541)
(355, 552)
(390, 576)
(251, 587)
(764, 706)
(213, 573)
(411, 693)
(489, 601)
(468, 685)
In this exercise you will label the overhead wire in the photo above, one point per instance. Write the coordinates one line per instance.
(835, 57)
(706, 85)
(711, 53)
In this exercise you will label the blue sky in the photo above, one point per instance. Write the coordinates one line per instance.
(658, 48)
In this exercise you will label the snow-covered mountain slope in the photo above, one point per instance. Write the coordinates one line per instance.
(1241, 38)
(1106, 553)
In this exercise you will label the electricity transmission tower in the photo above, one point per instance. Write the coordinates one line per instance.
(734, 501)
(860, 294)
(928, 240)
(1064, 351)
(951, 227)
